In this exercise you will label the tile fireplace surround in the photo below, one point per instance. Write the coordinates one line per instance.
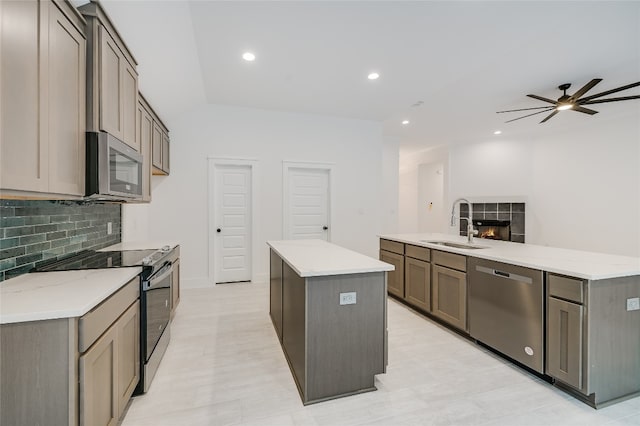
(513, 212)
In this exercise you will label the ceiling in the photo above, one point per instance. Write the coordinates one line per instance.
(463, 60)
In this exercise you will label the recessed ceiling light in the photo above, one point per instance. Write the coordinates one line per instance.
(248, 56)
(497, 132)
(373, 76)
(405, 121)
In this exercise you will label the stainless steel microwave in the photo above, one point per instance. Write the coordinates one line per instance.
(114, 169)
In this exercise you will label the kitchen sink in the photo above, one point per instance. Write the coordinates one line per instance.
(454, 245)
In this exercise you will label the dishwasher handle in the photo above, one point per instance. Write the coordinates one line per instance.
(507, 275)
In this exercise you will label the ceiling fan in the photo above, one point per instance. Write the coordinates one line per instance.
(574, 102)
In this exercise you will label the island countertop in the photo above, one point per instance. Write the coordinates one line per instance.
(314, 258)
(60, 294)
(576, 263)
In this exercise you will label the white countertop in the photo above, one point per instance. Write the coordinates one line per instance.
(61, 294)
(140, 245)
(315, 258)
(576, 263)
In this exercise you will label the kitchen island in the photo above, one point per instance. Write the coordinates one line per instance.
(571, 316)
(328, 307)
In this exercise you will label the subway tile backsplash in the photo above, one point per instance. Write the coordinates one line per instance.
(32, 232)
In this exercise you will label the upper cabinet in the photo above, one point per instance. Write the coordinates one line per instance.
(42, 107)
(160, 149)
(112, 80)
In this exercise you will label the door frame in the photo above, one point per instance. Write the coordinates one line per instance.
(213, 163)
(286, 167)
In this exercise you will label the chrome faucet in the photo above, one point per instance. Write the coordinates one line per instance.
(470, 231)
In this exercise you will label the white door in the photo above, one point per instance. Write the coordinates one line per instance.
(308, 209)
(233, 223)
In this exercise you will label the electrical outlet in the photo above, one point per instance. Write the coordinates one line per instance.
(633, 304)
(348, 298)
(109, 228)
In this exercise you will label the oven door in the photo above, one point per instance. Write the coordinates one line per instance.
(157, 295)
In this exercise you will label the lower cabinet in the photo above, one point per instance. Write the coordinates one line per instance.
(449, 290)
(72, 371)
(395, 279)
(418, 283)
(564, 341)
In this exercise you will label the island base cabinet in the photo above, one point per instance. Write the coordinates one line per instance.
(395, 280)
(333, 348)
(450, 296)
(418, 283)
(564, 342)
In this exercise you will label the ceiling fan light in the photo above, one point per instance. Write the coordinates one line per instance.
(564, 107)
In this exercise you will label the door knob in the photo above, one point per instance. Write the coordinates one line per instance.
(325, 227)
(218, 230)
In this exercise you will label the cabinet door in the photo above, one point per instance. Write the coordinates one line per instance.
(157, 146)
(23, 151)
(417, 283)
(166, 155)
(395, 279)
(564, 341)
(450, 296)
(175, 287)
(145, 124)
(98, 379)
(111, 66)
(129, 107)
(67, 121)
(128, 346)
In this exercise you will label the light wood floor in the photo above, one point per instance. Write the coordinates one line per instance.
(224, 366)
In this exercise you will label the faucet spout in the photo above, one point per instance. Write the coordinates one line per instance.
(470, 231)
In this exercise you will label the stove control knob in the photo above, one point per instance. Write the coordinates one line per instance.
(147, 261)
(165, 249)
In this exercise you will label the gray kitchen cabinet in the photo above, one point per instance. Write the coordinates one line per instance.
(72, 371)
(564, 337)
(275, 292)
(145, 125)
(392, 252)
(161, 153)
(175, 287)
(42, 80)
(112, 80)
(449, 288)
(417, 273)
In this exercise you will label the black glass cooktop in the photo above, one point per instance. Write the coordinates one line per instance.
(90, 259)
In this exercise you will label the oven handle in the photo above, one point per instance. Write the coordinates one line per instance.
(165, 271)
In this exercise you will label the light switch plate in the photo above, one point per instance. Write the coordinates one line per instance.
(109, 228)
(348, 298)
(633, 304)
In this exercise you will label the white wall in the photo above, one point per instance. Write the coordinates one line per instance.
(179, 211)
(581, 183)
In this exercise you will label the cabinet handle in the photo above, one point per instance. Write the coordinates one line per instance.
(325, 227)
(218, 230)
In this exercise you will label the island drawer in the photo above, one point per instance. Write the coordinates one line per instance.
(450, 260)
(420, 253)
(392, 246)
(566, 288)
(92, 324)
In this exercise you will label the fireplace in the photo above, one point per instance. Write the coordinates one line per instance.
(493, 229)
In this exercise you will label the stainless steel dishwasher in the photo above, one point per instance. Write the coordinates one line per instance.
(506, 310)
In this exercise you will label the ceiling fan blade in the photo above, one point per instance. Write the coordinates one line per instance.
(549, 116)
(529, 115)
(608, 92)
(585, 110)
(522, 109)
(585, 88)
(540, 98)
(601, 101)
